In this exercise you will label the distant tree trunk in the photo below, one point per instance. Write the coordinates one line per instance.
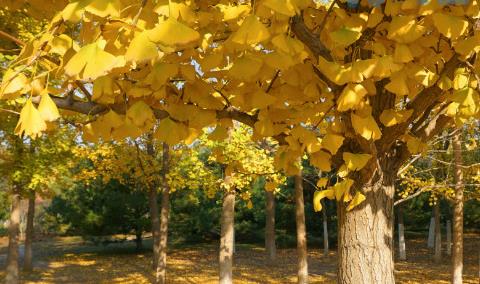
(401, 234)
(431, 233)
(325, 229)
(301, 231)
(449, 238)
(457, 256)
(365, 237)
(226, 238)
(138, 240)
(161, 272)
(270, 225)
(438, 234)
(13, 235)
(28, 263)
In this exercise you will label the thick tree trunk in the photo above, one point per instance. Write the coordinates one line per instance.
(401, 234)
(325, 229)
(431, 233)
(457, 256)
(28, 262)
(437, 257)
(13, 235)
(365, 238)
(226, 238)
(301, 231)
(270, 246)
(161, 272)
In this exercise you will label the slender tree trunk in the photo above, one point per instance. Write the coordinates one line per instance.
(13, 235)
(449, 238)
(155, 219)
(138, 240)
(457, 256)
(431, 233)
(270, 225)
(438, 234)
(325, 229)
(365, 237)
(28, 263)
(161, 272)
(226, 238)
(301, 231)
(401, 234)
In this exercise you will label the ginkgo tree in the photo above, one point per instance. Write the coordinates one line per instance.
(358, 85)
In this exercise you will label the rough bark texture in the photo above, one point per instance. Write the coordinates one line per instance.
(365, 235)
(325, 229)
(431, 233)
(13, 236)
(155, 219)
(301, 231)
(457, 256)
(28, 262)
(138, 241)
(402, 255)
(270, 247)
(449, 237)
(161, 272)
(437, 257)
(226, 238)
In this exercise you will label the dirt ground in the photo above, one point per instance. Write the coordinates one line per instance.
(69, 260)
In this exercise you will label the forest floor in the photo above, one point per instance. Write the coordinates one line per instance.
(70, 260)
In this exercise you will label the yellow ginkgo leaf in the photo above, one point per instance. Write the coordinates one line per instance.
(319, 195)
(355, 162)
(402, 53)
(264, 127)
(449, 25)
(284, 7)
(171, 132)
(321, 160)
(103, 90)
(357, 199)
(351, 97)
(252, 31)
(246, 68)
(219, 134)
(172, 33)
(271, 186)
(322, 182)
(141, 115)
(233, 12)
(391, 117)
(332, 142)
(366, 127)
(30, 122)
(414, 144)
(249, 204)
(141, 48)
(404, 29)
(13, 84)
(91, 62)
(47, 108)
(342, 187)
(345, 36)
(398, 84)
(73, 12)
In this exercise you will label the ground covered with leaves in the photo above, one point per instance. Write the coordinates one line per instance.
(70, 260)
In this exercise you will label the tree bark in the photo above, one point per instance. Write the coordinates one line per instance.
(161, 271)
(365, 238)
(138, 240)
(301, 231)
(13, 236)
(325, 229)
(457, 256)
(449, 238)
(28, 262)
(437, 258)
(270, 246)
(401, 234)
(431, 233)
(226, 238)
(155, 219)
